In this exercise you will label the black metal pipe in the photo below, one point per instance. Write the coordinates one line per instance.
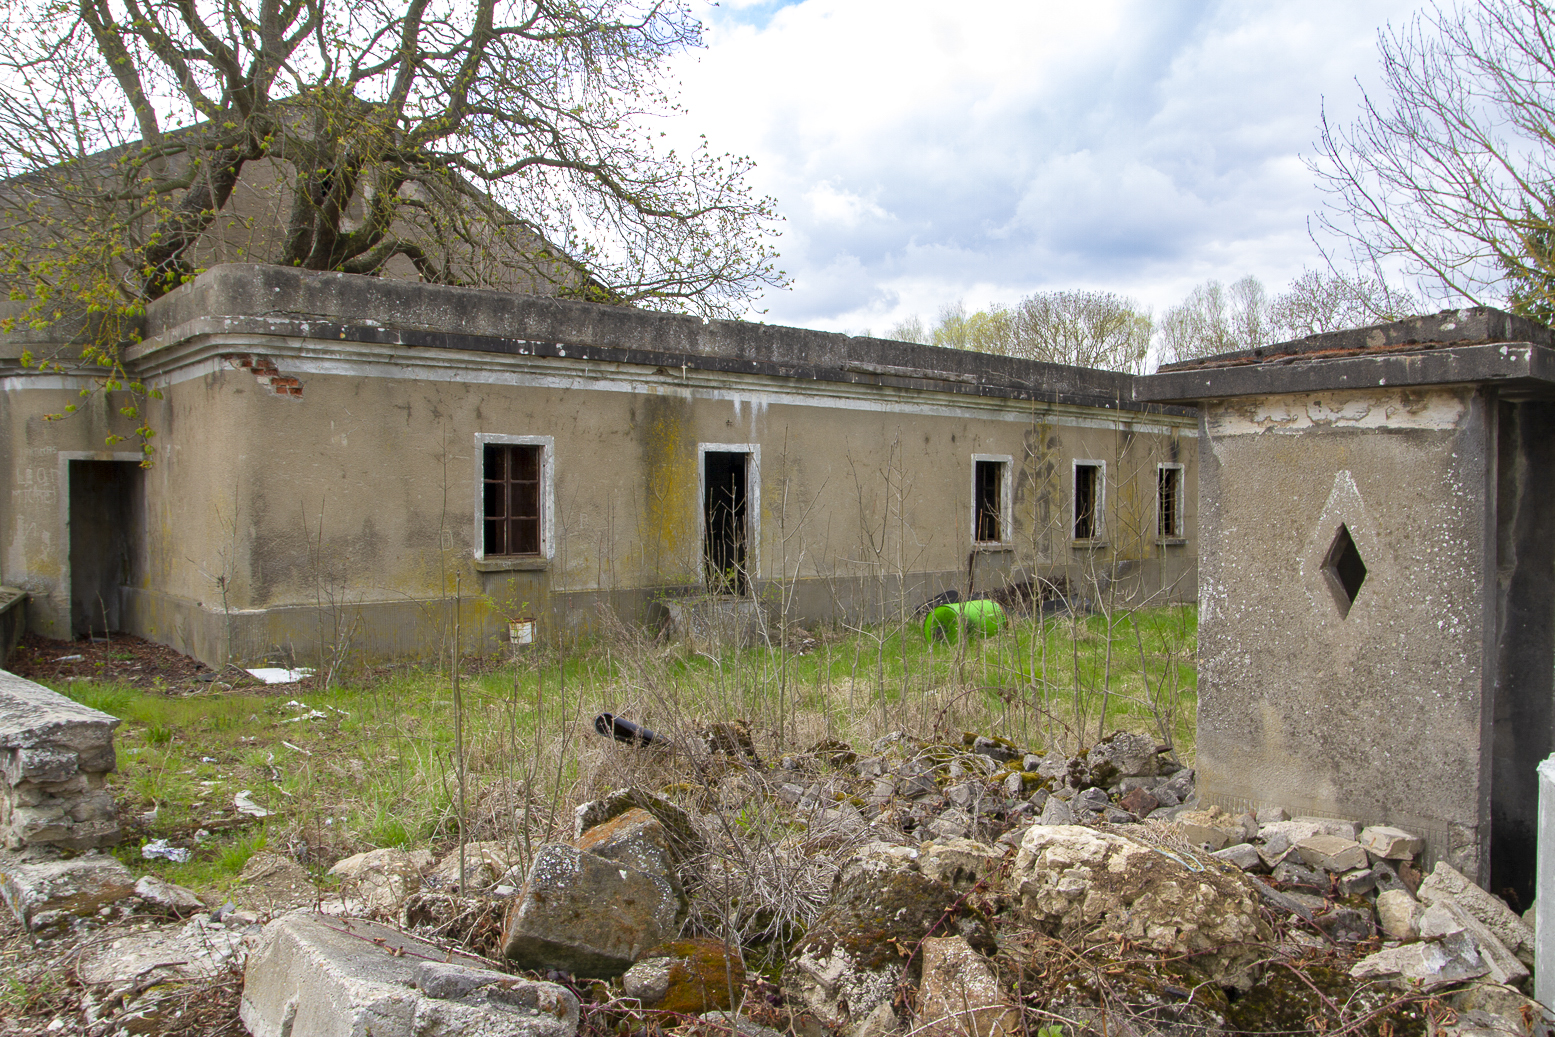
(623, 730)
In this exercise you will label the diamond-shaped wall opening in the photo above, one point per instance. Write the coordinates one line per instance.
(1345, 570)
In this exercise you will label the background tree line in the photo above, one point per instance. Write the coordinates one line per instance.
(1106, 330)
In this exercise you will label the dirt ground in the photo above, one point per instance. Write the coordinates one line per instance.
(124, 659)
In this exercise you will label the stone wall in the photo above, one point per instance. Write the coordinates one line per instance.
(54, 757)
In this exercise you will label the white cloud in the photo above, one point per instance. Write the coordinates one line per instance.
(924, 152)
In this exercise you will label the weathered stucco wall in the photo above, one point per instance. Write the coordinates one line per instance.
(317, 480)
(1378, 714)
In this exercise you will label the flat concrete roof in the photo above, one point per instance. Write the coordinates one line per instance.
(282, 301)
(1473, 346)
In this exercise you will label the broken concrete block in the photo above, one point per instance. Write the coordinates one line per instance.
(1398, 914)
(1447, 916)
(1208, 836)
(54, 754)
(1293, 872)
(198, 949)
(1390, 844)
(1331, 853)
(1357, 883)
(380, 879)
(1426, 964)
(1447, 883)
(337, 977)
(45, 893)
(167, 898)
(1305, 827)
(1270, 815)
(960, 995)
(1497, 1011)
(1243, 855)
(587, 915)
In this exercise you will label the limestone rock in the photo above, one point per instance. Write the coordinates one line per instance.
(272, 885)
(1124, 755)
(1447, 883)
(1390, 844)
(1056, 812)
(45, 893)
(1500, 1011)
(960, 862)
(1270, 815)
(686, 976)
(587, 915)
(878, 1023)
(1331, 853)
(168, 898)
(635, 838)
(380, 879)
(732, 1023)
(1398, 913)
(329, 977)
(1106, 886)
(1357, 883)
(959, 995)
(850, 960)
(484, 863)
(681, 834)
(1426, 964)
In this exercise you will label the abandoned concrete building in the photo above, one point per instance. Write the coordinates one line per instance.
(1377, 582)
(341, 458)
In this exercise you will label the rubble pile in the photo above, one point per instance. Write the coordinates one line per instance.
(947, 889)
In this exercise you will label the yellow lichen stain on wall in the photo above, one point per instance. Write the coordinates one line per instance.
(667, 546)
(1037, 493)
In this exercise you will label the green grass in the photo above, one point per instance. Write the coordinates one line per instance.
(378, 768)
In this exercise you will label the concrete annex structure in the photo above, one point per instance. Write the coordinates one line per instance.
(1377, 587)
(337, 454)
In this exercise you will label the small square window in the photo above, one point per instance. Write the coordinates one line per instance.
(511, 482)
(1169, 502)
(988, 487)
(1087, 500)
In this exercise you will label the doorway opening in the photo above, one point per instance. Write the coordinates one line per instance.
(725, 492)
(103, 515)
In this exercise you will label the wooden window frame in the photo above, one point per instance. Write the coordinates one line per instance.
(546, 445)
(1169, 533)
(1006, 511)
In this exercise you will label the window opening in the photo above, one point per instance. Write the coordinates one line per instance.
(1169, 495)
(511, 474)
(724, 520)
(1345, 570)
(989, 483)
(1087, 494)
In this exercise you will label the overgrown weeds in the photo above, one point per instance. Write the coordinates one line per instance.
(374, 764)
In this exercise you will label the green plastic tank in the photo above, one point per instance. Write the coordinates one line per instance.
(978, 618)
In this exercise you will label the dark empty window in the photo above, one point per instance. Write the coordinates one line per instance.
(989, 483)
(512, 507)
(1344, 569)
(724, 520)
(1087, 498)
(1169, 502)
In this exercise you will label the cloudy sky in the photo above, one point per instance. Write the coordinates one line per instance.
(928, 152)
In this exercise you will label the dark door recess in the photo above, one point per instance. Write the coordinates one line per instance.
(103, 512)
(724, 519)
